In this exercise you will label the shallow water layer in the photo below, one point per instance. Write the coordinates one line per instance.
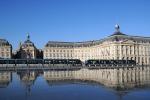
(84, 84)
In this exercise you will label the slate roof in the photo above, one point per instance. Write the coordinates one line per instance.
(4, 42)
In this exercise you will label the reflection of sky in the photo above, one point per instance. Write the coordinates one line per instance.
(71, 20)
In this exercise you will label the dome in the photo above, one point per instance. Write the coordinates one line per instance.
(117, 32)
(28, 43)
(117, 35)
(116, 38)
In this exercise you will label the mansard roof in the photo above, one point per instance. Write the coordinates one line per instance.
(70, 44)
(117, 36)
(128, 37)
(112, 38)
(4, 42)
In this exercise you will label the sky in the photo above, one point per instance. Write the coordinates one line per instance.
(71, 20)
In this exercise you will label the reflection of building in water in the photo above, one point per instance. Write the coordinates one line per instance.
(28, 77)
(5, 79)
(51, 76)
(121, 78)
(116, 46)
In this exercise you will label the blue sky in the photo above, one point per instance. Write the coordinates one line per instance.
(71, 20)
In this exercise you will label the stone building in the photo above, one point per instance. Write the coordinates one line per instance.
(116, 46)
(27, 50)
(5, 49)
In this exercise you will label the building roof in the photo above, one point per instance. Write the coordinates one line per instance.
(72, 44)
(117, 36)
(28, 42)
(118, 33)
(123, 37)
(4, 42)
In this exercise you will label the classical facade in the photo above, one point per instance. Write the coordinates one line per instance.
(116, 46)
(5, 49)
(27, 50)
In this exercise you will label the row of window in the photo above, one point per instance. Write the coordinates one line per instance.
(58, 55)
(68, 55)
(59, 50)
(4, 55)
(67, 50)
(4, 49)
